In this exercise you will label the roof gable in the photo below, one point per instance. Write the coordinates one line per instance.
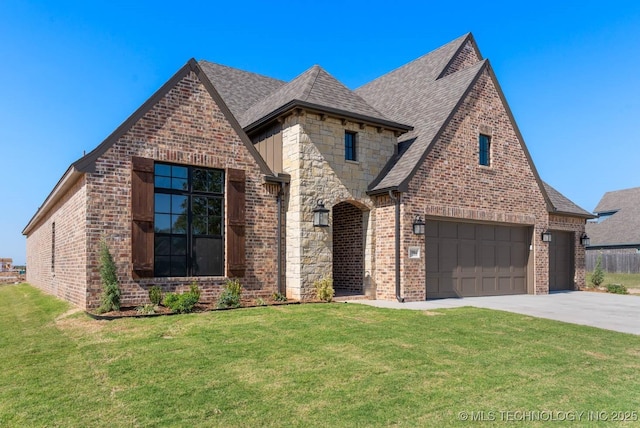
(313, 88)
(87, 162)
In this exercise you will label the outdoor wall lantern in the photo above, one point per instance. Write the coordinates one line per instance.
(320, 215)
(418, 226)
(584, 240)
(546, 236)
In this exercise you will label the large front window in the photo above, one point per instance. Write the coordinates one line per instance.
(188, 221)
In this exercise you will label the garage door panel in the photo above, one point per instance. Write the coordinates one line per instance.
(448, 230)
(448, 260)
(504, 285)
(467, 260)
(475, 259)
(488, 255)
(488, 285)
(466, 231)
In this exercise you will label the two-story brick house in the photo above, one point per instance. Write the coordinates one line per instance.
(219, 174)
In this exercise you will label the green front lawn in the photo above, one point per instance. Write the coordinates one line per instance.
(303, 365)
(629, 280)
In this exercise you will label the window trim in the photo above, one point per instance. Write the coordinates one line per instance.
(484, 150)
(351, 151)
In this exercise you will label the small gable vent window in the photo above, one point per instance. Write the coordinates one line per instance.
(350, 145)
(485, 150)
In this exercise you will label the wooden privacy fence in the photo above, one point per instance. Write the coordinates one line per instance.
(614, 263)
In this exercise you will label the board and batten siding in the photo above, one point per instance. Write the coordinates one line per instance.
(268, 142)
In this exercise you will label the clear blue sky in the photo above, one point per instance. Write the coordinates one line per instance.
(72, 71)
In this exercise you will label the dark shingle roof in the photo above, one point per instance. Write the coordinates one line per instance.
(314, 87)
(563, 205)
(413, 94)
(623, 227)
(238, 88)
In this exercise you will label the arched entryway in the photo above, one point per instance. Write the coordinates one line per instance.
(348, 248)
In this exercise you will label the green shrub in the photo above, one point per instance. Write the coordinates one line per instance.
(324, 289)
(279, 297)
(183, 303)
(110, 298)
(617, 289)
(597, 277)
(147, 309)
(155, 295)
(230, 296)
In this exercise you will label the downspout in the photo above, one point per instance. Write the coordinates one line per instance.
(397, 203)
(279, 236)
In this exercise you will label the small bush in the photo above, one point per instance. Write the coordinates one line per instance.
(110, 298)
(260, 302)
(147, 309)
(183, 303)
(617, 289)
(230, 296)
(597, 277)
(324, 289)
(155, 295)
(279, 297)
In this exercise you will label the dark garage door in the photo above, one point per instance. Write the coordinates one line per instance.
(561, 261)
(468, 259)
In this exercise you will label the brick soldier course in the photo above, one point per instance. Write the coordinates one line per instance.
(415, 132)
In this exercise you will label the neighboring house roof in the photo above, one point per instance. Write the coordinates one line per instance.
(562, 205)
(315, 89)
(623, 227)
(240, 89)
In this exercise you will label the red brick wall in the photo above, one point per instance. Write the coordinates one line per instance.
(451, 183)
(465, 58)
(184, 127)
(348, 248)
(385, 274)
(68, 278)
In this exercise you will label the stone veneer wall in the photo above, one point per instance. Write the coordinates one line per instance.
(452, 184)
(575, 225)
(185, 127)
(313, 154)
(68, 278)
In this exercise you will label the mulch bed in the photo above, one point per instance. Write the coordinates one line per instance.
(132, 312)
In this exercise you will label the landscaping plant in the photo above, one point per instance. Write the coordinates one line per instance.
(324, 289)
(597, 278)
(155, 295)
(617, 289)
(183, 303)
(230, 296)
(110, 299)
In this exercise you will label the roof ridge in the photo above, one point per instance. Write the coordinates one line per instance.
(421, 57)
(240, 69)
(316, 69)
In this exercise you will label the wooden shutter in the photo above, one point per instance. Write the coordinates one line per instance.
(236, 263)
(142, 189)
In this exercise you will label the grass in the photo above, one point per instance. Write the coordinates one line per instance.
(301, 365)
(629, 280)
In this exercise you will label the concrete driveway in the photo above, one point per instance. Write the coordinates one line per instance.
(602, 310)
